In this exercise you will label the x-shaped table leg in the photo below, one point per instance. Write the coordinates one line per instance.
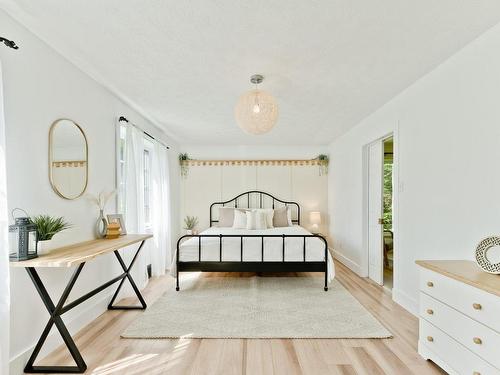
(55, 319)
(132, 283)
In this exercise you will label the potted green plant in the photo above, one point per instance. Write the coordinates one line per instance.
(323, 161)
(183, 162)
(47, 226)
(190, 222)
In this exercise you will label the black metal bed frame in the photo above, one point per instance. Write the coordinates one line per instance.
(253, 266)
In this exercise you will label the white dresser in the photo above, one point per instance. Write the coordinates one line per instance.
(459, 317)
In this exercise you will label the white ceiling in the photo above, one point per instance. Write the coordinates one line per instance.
(185, 63)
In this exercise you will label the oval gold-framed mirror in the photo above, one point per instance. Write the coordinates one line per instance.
(68, 159)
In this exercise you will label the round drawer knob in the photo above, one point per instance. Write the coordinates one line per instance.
(476, 373)
(430, 284)
(430, 311)
(477, 340)
(477, 306)
(430, 338)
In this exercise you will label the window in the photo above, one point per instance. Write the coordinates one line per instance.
(147, 175)
(121, 156)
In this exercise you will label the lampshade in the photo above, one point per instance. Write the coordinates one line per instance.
(315, 217)
(256, 111)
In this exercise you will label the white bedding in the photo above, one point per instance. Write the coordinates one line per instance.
(315, 248)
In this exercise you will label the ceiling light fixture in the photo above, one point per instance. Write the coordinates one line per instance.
(256, 111)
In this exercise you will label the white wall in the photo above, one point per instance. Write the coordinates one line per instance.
(39, 87)
(447, 129)
(207, 184)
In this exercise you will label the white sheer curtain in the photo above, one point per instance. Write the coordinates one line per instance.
(4, 250)
(160, 211)
(134, 200)
(131, 198)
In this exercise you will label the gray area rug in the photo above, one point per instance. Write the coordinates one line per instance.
(256, 307)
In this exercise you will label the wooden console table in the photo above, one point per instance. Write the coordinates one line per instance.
(77, 255)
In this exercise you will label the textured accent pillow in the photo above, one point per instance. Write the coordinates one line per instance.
(226, 216)
(240, 219)
(289, 216)
(269, 216)
(256, 220)
(280, 218)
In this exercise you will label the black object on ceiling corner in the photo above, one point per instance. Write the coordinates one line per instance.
(9, 43)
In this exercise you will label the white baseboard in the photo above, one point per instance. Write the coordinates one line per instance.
(401, 298)
(353, 266)
(407, 302)
(18, 362)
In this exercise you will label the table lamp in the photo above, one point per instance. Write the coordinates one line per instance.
(315, 219)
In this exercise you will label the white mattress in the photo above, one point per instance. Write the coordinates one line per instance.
(273, 247)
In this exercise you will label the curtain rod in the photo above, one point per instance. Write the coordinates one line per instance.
(9, 43)
(122, 118)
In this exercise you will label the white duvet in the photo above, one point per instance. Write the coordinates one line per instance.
(273, 247)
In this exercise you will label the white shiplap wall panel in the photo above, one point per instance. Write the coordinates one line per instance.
(237, 179)
(200, 188)
(275, 180)
(311, 190)
(207, 184)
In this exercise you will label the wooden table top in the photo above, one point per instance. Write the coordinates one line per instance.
(75, 254)
(465, 271)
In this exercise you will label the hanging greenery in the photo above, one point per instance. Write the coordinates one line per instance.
(323, 161)
(183, 161)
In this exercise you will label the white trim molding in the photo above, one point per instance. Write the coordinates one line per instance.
(353, 266)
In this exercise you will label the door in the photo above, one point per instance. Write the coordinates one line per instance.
(375, 212)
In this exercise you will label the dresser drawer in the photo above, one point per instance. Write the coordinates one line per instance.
(459, 358)
(476, 337)
(473, 302)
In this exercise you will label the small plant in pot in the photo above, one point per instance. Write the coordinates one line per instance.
(190, 222)
(47, 226)
(184, 163)
(323, 161)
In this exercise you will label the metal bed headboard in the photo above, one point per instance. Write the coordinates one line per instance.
(259, 201)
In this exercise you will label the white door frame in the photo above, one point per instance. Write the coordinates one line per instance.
(397, 188)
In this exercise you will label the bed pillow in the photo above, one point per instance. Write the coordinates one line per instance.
(269, 216)
(282, 217)
(256, 220)
(226, 216)
(240, 219)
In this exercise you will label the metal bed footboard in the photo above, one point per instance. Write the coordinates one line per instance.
(252, 266)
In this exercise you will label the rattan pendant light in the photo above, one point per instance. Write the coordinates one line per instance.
(256, 111)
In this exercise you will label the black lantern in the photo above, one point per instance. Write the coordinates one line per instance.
(22, 238)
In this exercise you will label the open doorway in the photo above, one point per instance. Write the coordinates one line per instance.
(387, 207)
(379, 210)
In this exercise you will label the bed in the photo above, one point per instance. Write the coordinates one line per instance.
(280, 249)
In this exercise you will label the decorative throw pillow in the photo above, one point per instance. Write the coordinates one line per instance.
(269, 216)
(226, 216)
(256, 220)
(280, 218)
(289, 216)
(240, 219)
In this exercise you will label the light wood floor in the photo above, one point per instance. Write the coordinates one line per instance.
(106, 353)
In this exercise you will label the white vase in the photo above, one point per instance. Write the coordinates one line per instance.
(44, 247)
(101, 226)
(189, 231)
